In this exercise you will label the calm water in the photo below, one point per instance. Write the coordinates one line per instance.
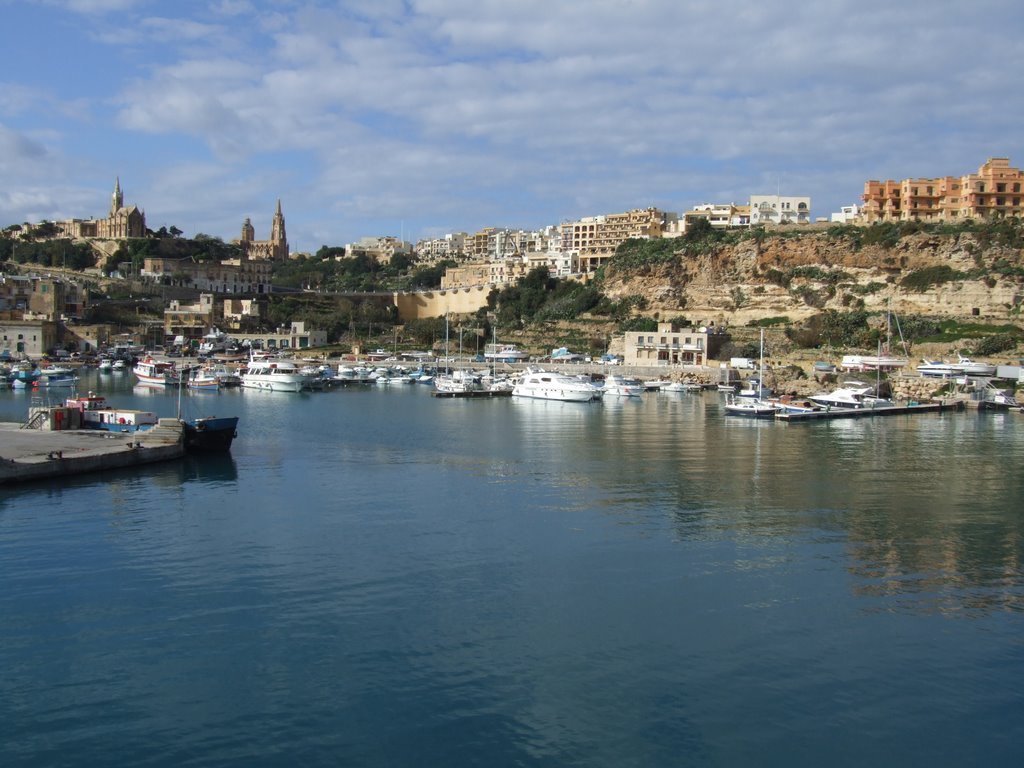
(378, 578)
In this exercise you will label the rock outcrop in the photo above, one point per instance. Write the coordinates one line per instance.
(799, 276)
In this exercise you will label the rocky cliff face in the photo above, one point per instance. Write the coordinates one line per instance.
(799, 276)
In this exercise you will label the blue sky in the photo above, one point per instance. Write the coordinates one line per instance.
(422, 117)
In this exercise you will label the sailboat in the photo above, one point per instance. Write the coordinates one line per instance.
(752, 406)
(884, 360)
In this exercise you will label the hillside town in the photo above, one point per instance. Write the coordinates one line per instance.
(45, 310)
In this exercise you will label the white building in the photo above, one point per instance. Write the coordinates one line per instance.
(847, 214)
(777, 209)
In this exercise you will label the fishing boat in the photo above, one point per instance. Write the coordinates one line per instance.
(158, 373)
(203, 379)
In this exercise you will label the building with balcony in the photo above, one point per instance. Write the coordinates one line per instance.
(670, 345)
(778, 209)
(996, 190)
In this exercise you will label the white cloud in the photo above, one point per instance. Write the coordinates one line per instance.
(449, 107)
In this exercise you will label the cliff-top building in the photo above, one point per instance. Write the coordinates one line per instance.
(122, 222)
(996, 190)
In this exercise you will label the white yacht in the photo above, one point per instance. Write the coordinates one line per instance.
(276, 376)
(546, 385)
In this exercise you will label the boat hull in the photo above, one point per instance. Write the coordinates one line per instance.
(210, 434)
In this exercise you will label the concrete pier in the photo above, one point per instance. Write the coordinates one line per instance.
(35, 454)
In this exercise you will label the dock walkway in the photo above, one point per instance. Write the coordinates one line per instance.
(866, 413)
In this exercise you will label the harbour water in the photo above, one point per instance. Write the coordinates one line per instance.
(375, 577)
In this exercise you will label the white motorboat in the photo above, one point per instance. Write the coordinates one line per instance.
(880, 362)
(276, 376)
(546, 385)
(964, 366)
(619, 386)
(851, 397)
(504, 353)
(750, 406)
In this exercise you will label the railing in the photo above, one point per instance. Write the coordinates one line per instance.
(36, 421)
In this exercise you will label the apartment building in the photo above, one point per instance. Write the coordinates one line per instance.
(996, 190)
(593, 240)
(451, 247)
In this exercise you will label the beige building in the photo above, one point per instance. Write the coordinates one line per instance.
(292, 337)
(495, 273)
(996, 190)
(121, 222)
(670, 345)
(193, 321)
(380, 248)
(41, 298)
(28, 338)
(231, 276)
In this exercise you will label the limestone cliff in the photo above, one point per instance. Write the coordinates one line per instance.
(799, 276)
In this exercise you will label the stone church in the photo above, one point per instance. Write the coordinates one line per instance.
(123, 221)
(274, 249)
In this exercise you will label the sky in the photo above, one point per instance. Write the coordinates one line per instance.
(417, 118)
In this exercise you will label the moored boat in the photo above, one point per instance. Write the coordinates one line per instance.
(160, 373)
(275, 376)
(547, 385)
(207, 433)
(750, 406)
(619, 386)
